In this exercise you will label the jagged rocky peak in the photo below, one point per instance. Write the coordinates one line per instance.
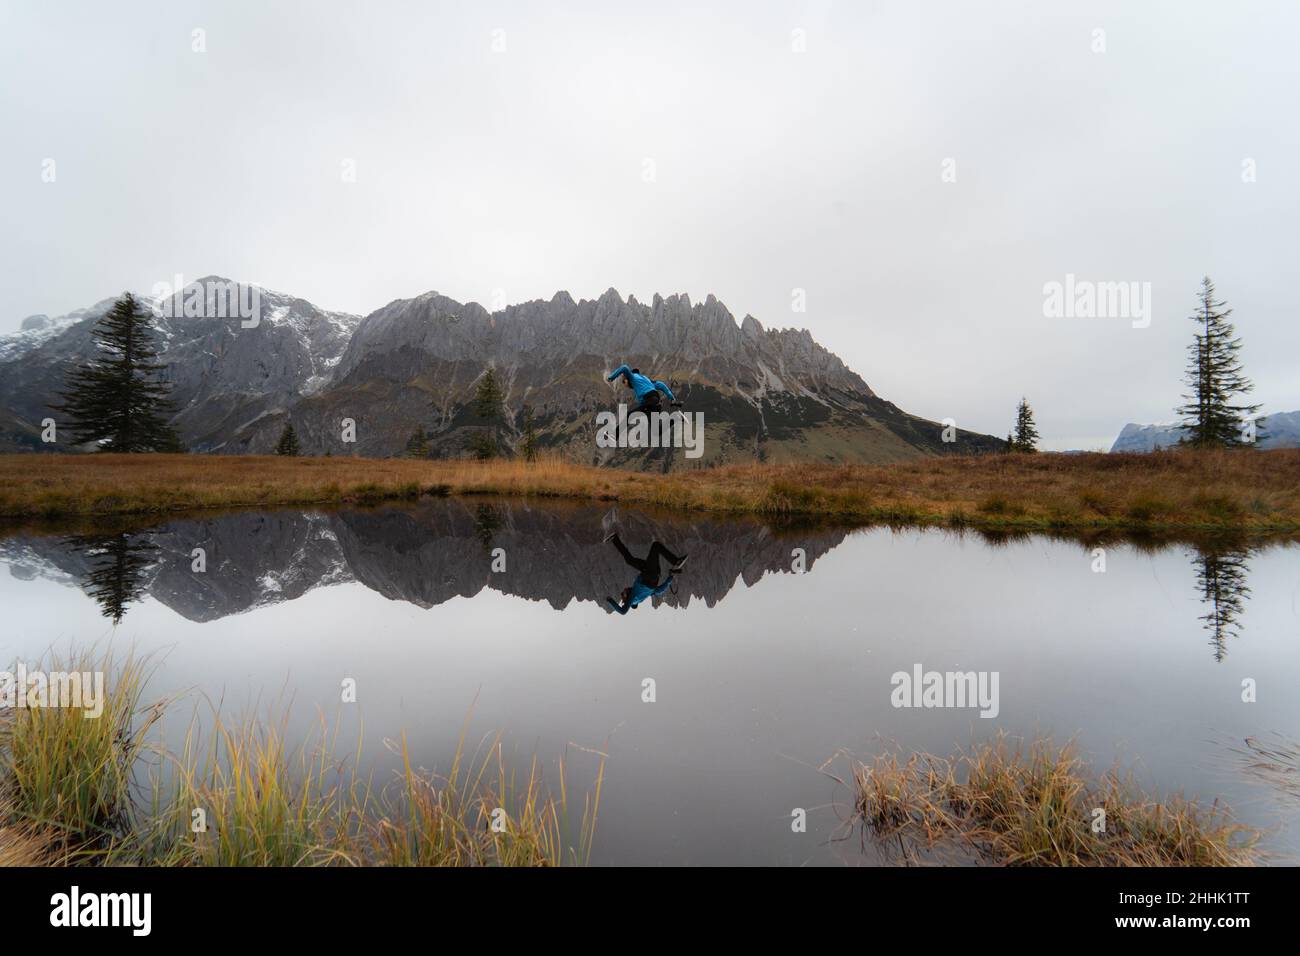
(560, 327)
(413, 363)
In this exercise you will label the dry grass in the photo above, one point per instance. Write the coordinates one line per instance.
(22, 844)
(460, 819)
(1205, 490)
(65, 775)
(78, 790)
(1274, 760)
(86, 791)
(1037, 805)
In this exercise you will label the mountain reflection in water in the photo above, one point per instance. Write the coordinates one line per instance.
(763, 673)
(425, 556)
(445, 549)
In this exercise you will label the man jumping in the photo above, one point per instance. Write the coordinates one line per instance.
(649, 570)
(645, 390)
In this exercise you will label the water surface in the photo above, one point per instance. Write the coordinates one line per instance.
(771, 652)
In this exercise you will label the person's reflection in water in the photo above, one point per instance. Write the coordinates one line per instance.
(650, 579)
(1221, 580)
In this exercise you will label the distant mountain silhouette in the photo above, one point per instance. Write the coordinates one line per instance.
(1279, 430)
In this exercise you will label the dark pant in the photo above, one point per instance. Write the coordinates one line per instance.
(652, 403)
(649, 567)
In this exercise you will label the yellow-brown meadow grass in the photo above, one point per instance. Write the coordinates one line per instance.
(1036, 804)
(98, 792)
(67, 778)
(1244, 490)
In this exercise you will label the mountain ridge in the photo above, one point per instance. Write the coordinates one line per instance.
(1277, 430)
(766, 393)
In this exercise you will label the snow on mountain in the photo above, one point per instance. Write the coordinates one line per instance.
(1278, 430)
(223, 369)
(772, 394)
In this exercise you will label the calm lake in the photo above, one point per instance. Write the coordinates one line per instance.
(771, 652)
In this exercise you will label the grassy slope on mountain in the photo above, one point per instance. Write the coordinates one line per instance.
(782, 428)
(1244, 490)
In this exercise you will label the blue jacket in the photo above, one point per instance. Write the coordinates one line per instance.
(641, 386)
(640, 591)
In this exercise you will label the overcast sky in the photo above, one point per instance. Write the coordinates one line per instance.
(657, 147)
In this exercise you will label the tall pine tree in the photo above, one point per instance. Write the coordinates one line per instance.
(417, 446)
(529, 443)
(488, 399)
(117, 399)
(488, 396)
(1026, 436)
(288, 443)
(1214, 379)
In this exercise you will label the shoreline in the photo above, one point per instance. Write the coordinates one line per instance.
(1195, 492)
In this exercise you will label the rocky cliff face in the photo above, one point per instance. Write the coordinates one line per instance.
(1135, 437)
(424, 556)
(765, 394)
(224, 376)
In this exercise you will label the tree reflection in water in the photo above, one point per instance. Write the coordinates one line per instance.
(1221, 582)
(116, 569)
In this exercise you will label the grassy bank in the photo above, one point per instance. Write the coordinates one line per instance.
(1243, 490)
(1038, 805)
(99, 791)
